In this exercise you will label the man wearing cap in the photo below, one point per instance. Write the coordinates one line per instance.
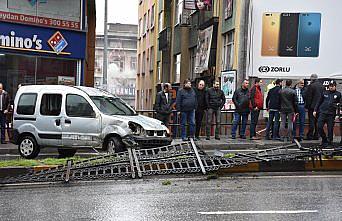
(327, 106)
(312, 96)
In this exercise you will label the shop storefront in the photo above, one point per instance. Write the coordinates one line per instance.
(40, 45)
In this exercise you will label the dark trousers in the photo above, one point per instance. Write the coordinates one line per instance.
(236, 122)
(276, 116)
(210, 114)
(3, 126)
(164, 118)
(301, 120)
(313, 131)
(254, 122)
(199, 117)
(329, 120)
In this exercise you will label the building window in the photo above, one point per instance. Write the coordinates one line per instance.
(143, 63)
(148, 20)
(151, 58)
(159, 72)
(160, 21)
(152, 17)
(139, 63)
(228, 51)
(178, 68)
(193, 52)
(140, 31)
(133, 63)
(145, 24)
(179, 11)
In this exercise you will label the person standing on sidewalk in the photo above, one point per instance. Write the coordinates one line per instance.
(163, 104)
(301, 110)
(256, 104)
(215, 100)
(312, 96)
(326, 107)
(4, 108)
(241, 102)
(273, 107)
(201, 107)
(186, 103)
(288, 109)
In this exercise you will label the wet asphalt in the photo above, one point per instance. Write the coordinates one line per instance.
(299, 197)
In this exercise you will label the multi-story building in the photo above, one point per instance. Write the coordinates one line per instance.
(46, 42)
(189, 41)
(122, 61)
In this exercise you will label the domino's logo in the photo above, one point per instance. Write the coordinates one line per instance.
(57, 42)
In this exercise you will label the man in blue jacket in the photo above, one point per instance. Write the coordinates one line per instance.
(186, 104)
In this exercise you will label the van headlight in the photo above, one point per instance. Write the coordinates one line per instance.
(136, 129)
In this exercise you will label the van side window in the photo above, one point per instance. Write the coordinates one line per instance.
(51, 104)
(27, 104)
(78, 106)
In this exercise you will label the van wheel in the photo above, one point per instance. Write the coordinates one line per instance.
(63, 153)
(114, 145)
(28, 147)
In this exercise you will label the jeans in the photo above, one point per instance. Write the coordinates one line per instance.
(199, 117)
(313, 131)
(3, 125)
(254, 122)
(286, 133)
(329, 120)
(188, 116)
(210, 114)
(273, 115)
(301, 120)
(236, 122)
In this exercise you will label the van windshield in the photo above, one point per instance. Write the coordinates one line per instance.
(112, 106)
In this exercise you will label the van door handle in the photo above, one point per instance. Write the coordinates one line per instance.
(58, 122)
(67, 121)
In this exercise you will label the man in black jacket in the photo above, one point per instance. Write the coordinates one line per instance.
(215, 100)
(241, 102)
(312, 96)
(273, 108)
(163, 105)
(201, 107)
(327, 106)
(4, 108)
(186, 103)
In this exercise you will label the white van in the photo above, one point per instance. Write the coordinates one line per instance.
(69, 117)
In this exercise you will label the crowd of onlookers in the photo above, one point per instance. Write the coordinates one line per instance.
(286, 104)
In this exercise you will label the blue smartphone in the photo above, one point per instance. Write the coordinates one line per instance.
(309, 30)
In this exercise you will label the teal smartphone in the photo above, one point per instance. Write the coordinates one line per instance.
(309, 30)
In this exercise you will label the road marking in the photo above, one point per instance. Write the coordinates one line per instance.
(259, 212)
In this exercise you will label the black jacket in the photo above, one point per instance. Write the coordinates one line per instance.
(313, 94)
(328, 102)
(201, 102)
(186, 100)
(241, 100)
(288, 100)
(5, 101)
(215, 98)
(273, 98)
(163, 105)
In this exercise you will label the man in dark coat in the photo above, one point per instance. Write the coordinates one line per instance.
(201, 107)
(273, 108)
(215, 100)
(326, 107)
(4, 108)
(312, 95)
(186, 103)
(163, 105)
(241, 102)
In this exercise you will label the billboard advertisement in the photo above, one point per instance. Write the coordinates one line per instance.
(203, 49)
(293, 39)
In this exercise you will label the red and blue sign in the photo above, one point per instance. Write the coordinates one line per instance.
(33, 40)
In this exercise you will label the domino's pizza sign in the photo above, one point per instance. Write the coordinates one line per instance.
(42, 41)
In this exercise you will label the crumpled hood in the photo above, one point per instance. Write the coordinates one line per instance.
(146, 122)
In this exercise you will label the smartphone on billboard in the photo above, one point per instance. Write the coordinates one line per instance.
(288, 34)
(270, 34)
(309, 29)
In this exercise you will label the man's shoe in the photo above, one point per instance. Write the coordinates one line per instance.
(324, 144)
(217, 138)
(315, 138)
(242, 137)
(185, 139)
(276, 138)
(255, 138)
(233, 137)
(3, 142)
(197, 138)
(207, 138)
